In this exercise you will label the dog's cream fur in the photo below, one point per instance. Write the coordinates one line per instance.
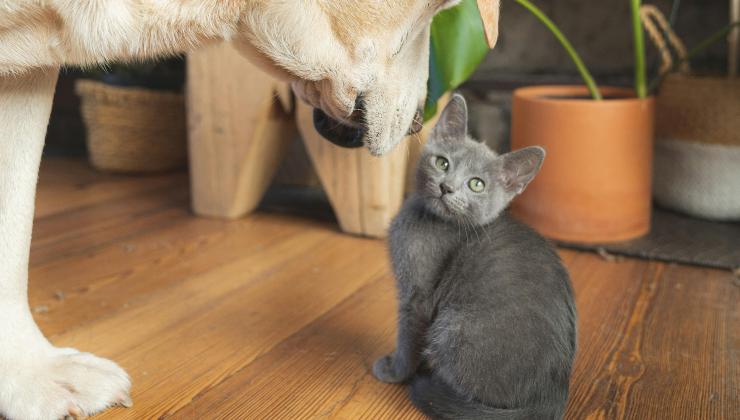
(332, 51)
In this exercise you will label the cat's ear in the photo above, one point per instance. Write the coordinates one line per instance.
(453, 123)
(520, 167)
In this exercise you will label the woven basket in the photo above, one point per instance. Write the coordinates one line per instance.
(700, 109)
(133, 130)
(697, 151)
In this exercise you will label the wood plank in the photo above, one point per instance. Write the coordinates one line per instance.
(281, 317)
(688, 353)
(605, 298)
(328, 377)
(649, 334)
(323, 369)
(330, 373)
(231, 314)
(78, 230)
(70, 183)
(250, 393)
(107, 280)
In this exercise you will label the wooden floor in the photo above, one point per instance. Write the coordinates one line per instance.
(280, 317)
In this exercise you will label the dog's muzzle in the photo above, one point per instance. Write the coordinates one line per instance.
(417, 123)
(351, 136)
(339, 133)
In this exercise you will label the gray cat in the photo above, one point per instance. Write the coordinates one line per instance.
(487, 322)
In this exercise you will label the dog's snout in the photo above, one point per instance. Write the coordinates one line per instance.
(445, 188)
(358, 114)
(417, 123)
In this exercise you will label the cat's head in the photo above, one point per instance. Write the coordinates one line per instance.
(460, 179)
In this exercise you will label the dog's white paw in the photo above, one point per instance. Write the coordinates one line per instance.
(59, 384)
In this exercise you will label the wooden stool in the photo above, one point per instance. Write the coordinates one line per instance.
(239, 132)
(364, 191)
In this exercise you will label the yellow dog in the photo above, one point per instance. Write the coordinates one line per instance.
(341, 56)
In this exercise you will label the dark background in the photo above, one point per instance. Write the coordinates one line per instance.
(527, 53)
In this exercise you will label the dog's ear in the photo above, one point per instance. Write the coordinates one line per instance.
(489, 13)
(447, 4)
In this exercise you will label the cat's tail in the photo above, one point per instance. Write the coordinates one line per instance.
(438, 400)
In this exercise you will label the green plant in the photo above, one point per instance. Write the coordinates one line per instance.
(639, 44)
(585, 74)
(641, 87)
(458, 46)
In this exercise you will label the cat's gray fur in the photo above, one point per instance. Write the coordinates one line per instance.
(487, 321)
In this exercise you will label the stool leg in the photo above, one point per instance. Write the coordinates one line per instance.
(366, 192)
(238, 131)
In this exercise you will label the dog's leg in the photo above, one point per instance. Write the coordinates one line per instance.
(37, 380)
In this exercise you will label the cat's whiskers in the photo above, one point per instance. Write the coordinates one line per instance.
(479, 227)
(488, 235)
(469, 222)
(467, 237)
(462, 225)
(465, 223)
(473, 226)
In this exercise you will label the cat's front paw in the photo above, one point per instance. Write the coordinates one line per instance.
(385, 370)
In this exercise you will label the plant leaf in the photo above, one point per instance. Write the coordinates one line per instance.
(458, 45)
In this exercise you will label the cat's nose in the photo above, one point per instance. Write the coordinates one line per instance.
(445, 188)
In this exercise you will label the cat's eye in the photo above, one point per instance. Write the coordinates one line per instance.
(477, 185)
(441, 163)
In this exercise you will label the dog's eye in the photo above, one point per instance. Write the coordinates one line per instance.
(401, 44)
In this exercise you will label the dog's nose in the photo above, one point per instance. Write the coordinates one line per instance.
(347, 134)
(417, 123)
(445, 188)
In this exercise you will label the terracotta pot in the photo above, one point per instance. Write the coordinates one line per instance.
(595, 183)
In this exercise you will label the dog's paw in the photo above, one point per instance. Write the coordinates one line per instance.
(384, 369)
(61, 384)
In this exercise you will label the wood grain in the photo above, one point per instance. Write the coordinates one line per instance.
(66, 184)
(280, 317)
(239, 129)
(365, 191)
